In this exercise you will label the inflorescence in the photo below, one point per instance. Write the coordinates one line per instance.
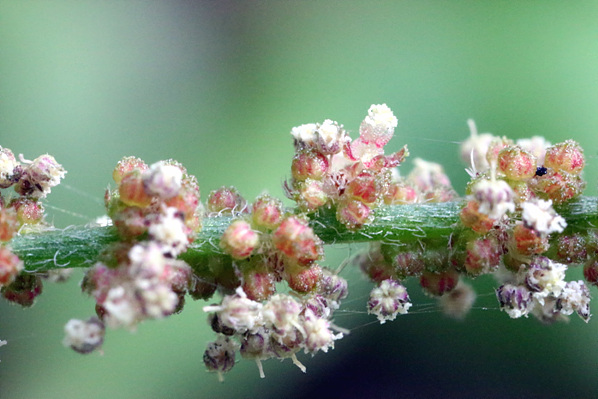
(276, 296)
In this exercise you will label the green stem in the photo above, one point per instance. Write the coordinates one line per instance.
(428, 223)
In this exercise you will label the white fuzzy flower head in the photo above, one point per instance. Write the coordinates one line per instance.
(495, 198)
(39, 176)
(458, 302)
(318, 333)
(428, 176)
(7, 166)
(163, 180)
(157, 300)
(540, 216)
(171, 231)
(281, 313)
(515, 300)
(474, 149)
(378, 126)
(545, 277)
(304, 136)
(238, 312)
(575, 297)
(388, 300)
(121, 308)
(84, 336)
(147, 260)
(330, 137)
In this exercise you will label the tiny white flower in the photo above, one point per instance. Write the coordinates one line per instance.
(495, 198)
(238, 312)
(170, 230)
(121, 308)
(163, 180)
(83, 336)
(540, 216)
(304, 135)
(318, 333)
(387, 300)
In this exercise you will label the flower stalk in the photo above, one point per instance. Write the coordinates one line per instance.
(430, 224)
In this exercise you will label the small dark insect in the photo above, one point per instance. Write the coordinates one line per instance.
(541, 171)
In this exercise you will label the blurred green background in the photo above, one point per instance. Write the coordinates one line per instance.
(218, 86)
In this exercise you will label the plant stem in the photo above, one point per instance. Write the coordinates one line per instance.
(428, 223)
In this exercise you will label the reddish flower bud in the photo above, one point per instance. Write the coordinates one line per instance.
(266, 212)
(565, 157)
(557, 186)
(439, 283)
(132, 191)
(571, 249)
(311, 195)
(302, 279)
(259, 285)
(126, 165)
(516, 163)
(297, 241)
(590, 271)
(10, 266)
(9, 224)
(399, 193)
(226, 201)
(471, 217)
(408, 263)
(364, 188)
(28, 211)
(527, 242)
(483, 255)
(23, 290)
(353, 214)
(495, 147)
(309, 164)
(239, 240)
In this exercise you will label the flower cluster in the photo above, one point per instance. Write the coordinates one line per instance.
(31, 181)
(266, 261)
(277, 328)
(156, 211)
(354, 176)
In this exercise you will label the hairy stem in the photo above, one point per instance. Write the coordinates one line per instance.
(427, 223)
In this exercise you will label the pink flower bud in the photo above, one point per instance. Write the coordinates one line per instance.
(23, 290)
(439, 283)
(266, 212)
(301, 279)
(239, 240)
(10, 266)
(516, 163)
(132, 190)
(309, 164)
(353, 214)
(126, 165)
(565, 157)
(226, 201)
(297, 241)
(482, 255)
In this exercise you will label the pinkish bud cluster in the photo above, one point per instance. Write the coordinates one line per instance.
(157, 212)
(32, 181)
(354, 176)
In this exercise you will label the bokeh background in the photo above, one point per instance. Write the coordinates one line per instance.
(218, 86)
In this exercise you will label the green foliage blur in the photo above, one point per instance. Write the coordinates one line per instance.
(218, 86)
